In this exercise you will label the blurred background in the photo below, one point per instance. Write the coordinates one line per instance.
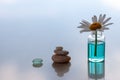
(33, 28)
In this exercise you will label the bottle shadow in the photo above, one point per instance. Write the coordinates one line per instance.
(96, 70)
(61, 68)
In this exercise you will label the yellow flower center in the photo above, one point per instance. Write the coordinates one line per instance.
(95, 26)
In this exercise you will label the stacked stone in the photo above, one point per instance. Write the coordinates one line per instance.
(60, 55)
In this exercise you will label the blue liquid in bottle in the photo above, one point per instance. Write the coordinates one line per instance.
(100, 54)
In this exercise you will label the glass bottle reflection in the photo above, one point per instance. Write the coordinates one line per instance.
(96, 70)
(61, 69)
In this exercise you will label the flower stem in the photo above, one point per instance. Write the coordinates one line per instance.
(95, 53)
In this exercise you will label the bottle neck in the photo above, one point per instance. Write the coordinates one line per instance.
(99, 33)
(100, 36)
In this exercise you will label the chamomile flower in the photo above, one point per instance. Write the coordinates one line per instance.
(98, 24)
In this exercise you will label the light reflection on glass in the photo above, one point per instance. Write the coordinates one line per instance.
(96, 70)
(61, 69)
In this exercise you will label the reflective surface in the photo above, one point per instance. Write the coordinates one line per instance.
(32, 29)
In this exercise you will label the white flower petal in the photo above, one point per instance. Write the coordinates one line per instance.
(84, 31)
(107, 24)
(85, 27)
(103, 17)
(80, 26)
(106, 20)
(101, 30)
(100, 18)
(106, 28)
(94, 18)
(86, 22)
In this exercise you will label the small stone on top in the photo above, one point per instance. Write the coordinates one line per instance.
(59, 48)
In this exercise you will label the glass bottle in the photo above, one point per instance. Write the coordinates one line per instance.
(96, 46)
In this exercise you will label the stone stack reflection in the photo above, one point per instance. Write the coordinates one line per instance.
(61, 69)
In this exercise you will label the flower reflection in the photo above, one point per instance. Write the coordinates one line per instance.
(61, 69)
(96, 70)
